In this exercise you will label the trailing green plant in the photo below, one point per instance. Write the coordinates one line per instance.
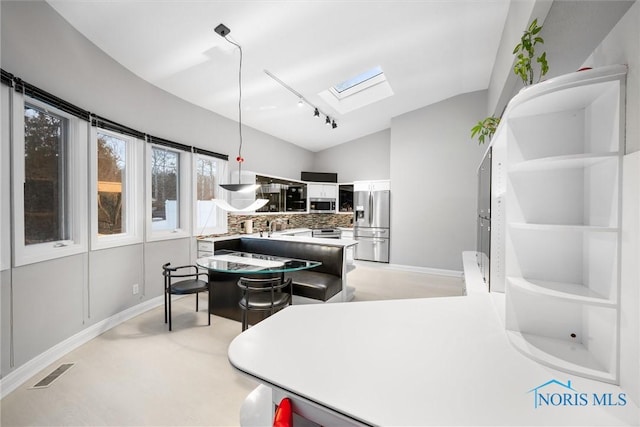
(485, 128)
(525, 51)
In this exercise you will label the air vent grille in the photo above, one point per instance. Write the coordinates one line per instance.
(49, 379)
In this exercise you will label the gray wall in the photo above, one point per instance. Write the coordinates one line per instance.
(504, 82)
(66, 64)
(434, 184)
(365, 158)
(622, 46)
(45, 303)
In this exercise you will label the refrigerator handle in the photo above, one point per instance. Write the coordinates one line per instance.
(370, 208)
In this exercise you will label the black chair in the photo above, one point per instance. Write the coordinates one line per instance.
(189, 283)
(263, 295)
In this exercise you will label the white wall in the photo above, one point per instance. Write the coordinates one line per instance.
(434, 183)
(365, 158)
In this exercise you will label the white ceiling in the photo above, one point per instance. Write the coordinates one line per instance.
(429, 50)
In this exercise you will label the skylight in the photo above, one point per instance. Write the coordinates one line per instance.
(358, 91)
(356, 80)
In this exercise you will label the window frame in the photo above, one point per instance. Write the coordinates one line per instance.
(5, 178)
(75, 174)
(221, 174)
(134, 189)
(185, 196)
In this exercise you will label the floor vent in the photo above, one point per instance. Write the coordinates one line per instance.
(49, 379)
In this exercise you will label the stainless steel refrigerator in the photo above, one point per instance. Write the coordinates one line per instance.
(371, 225)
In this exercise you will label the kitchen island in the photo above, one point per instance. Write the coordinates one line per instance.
(435, 361)
(302, 235)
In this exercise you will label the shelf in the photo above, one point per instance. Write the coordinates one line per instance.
(570, 292)
(562, 162)
(562, 227)
(560, 354)
(562, 233)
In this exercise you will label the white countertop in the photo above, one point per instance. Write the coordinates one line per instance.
(435, 361)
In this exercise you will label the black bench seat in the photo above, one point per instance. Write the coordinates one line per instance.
(319, 283)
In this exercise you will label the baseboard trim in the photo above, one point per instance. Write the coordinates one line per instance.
(413, 269)
(21, 374)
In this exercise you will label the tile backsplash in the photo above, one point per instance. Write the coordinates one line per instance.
(288, 221)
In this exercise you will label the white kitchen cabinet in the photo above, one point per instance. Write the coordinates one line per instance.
(562, 188)
(322, 191)
(377, 185)
(205, 247)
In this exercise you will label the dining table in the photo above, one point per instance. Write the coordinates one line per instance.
(226, 266)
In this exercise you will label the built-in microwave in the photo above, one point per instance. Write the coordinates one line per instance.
(322, 205)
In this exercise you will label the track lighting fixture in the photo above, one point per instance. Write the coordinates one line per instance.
(302, 100)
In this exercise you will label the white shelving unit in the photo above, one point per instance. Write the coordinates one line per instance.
(562, 144)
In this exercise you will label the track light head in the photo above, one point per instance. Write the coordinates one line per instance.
(316, 113)
(327, 121)
(333, 124)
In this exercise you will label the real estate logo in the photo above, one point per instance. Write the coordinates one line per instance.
(556, 393)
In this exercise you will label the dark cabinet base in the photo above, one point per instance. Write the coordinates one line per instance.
(225, 295)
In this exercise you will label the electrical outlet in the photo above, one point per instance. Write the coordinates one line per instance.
(136, 289)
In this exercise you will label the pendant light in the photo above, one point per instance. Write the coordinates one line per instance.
(223, 31)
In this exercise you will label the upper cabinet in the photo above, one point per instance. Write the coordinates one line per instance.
(560, 147)
(377, 185)
(322, 191)
(283, 195)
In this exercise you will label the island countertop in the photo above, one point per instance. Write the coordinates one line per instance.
(283, 235)
(434, 361)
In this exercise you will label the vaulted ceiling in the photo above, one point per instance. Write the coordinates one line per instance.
(429, 50)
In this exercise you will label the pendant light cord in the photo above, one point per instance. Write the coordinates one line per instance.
(239, 158)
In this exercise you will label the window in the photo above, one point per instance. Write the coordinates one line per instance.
(359, 91)
(117, 189)
(208, 218)
(359, 79)
(50, 182)
(112, 158)
(169, 188)
(46, 210)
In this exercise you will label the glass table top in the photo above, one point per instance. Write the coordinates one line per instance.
(228, 261)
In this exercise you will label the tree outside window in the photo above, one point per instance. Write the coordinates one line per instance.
(45, 187)
(164, 189)
(111, 189)
(206, 181)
